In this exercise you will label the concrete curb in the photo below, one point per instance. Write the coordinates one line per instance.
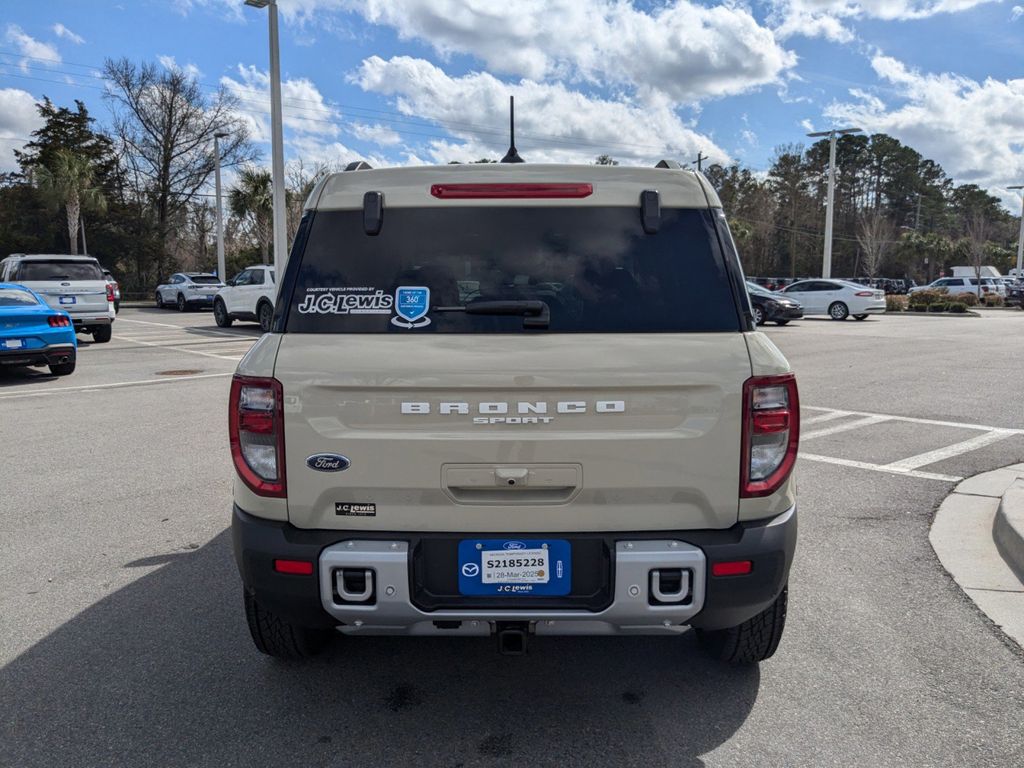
(968, 313)
(963, 536)
(1008, 528)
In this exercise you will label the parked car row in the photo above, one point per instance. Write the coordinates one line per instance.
(838, 299)
(247, 296)
(980, 287)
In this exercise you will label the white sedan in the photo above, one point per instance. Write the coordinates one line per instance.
(837, 298)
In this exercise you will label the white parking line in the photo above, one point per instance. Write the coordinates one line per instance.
(913, 420)
(824, 417)
(234, 358)
(867, 421)
(115, 385)
(880, 468)
(941, 454)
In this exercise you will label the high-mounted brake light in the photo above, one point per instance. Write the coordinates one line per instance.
(256, 434)
(771, 433)
(497, 191)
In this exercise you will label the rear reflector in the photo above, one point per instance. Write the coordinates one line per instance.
(732, 568)
(492, 191)
(297, 567)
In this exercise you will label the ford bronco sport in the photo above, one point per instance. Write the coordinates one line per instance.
(514, 400)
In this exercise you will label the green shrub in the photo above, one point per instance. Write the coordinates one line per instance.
(970, 299)
(938, 307)
(958, 307)
(894, 303)
(926, 297)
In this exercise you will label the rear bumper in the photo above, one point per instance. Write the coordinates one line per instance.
(92, 320)
(200, 301)
(52, 355)
(397, 604)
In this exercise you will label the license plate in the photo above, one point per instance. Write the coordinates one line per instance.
(11, 344)
(515, 567)
(68, 299)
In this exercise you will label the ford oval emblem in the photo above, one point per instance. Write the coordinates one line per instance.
(513, 545)
(328, 462)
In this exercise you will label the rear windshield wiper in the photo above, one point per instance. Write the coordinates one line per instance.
(535, 313)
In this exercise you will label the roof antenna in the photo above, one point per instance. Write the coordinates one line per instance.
(512, 156)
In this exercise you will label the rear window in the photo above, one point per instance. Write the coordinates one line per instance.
(594, 268)
(58, 270)
(204, 279)
(12, 297)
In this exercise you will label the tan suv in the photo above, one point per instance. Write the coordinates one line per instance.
(514, 400)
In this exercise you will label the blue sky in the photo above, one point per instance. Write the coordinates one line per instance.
(420, 81)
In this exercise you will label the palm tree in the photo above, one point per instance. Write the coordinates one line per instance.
(252, 199)
(68, 182)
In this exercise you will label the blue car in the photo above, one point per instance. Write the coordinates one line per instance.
(33, 333)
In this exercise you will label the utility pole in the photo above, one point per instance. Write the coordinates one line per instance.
(276, 141)
(701, 157)
(220, 220)
(826, 261)
(1020, 235)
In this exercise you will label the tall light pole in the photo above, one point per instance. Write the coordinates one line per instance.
(826, 262)
(1020, 236)
(220, 220)
(276, 141)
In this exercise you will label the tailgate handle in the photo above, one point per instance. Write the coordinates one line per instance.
(536, 484)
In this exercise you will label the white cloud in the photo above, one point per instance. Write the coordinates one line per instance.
(190, 69)
(682, 50)
(1016, 12)
(31, 48)
(553, 123)
(824, 18)
(66, 34)
(18, 118)
(973, 129)
(303, 106)
(378, 134)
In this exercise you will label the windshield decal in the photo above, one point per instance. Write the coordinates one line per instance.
(412, 302)
(345, 301)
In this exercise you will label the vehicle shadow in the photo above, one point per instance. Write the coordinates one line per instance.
(162, 672)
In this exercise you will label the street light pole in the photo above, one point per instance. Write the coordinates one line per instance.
(826, 261)
(221, 269)
(1020, 236)
(276, 141)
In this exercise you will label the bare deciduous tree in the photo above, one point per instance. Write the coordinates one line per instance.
(875, 235)
(165, 125)
(977, 237)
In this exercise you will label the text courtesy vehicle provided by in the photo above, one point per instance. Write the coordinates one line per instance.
(514, 400)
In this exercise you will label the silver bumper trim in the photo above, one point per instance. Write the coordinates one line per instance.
(631, 611)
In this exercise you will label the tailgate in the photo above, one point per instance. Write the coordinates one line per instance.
(514, 433)
(80, 297)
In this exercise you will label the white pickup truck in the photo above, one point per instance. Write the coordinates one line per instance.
(510, 400)
(249, 295)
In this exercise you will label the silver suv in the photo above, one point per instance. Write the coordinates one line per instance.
(75, 284)
(514, 400)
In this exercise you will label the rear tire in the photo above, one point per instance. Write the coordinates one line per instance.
(838, 311)
(101, 334)
(279, 638)
(220, 314)
(265, 314)
(860, 317)
(63, 369)
(182, 306)
(752, 641)
(781, 322)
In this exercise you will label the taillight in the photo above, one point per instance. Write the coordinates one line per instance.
(492, 191)
(864, 293)
(58, 321)
(110, 292)
(256, 433)
(771, 433)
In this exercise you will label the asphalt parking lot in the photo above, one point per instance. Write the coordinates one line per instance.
(123, 641)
